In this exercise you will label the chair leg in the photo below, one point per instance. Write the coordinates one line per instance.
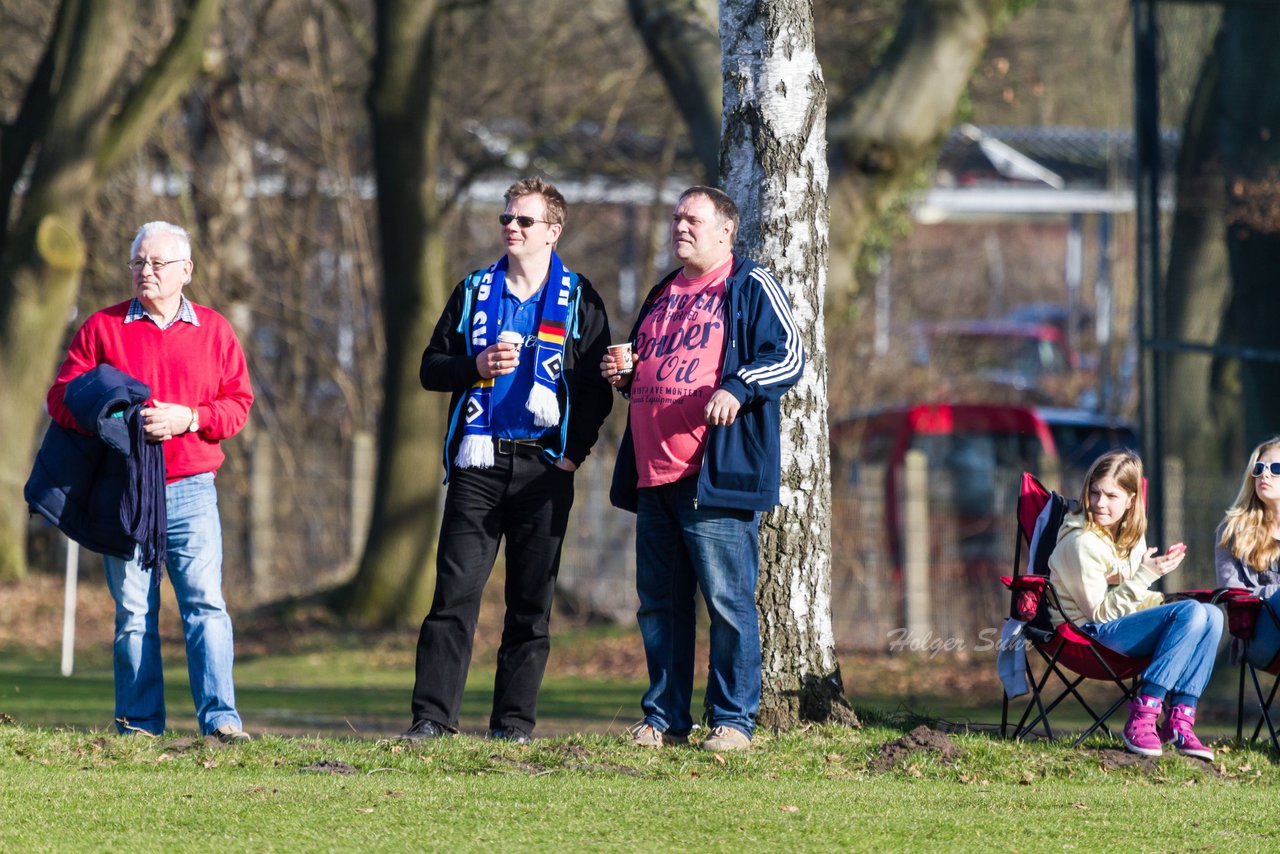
(1036, 702)
(1264, 707)
(1101, 721)
(1240, 703)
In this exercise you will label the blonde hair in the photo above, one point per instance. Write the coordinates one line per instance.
(557, 208)
(1125, 468)
(1247, 530)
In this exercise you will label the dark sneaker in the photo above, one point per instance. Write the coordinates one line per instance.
(511, 734)
(423, 730)
(229, 734)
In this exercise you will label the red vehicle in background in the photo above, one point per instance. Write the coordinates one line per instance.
(974, 454)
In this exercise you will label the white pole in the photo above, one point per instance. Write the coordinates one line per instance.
(916, 591)
(69, 608)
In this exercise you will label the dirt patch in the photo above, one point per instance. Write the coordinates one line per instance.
(920, 739)
(579, 759)
(1111, 760)
(330, 766)
(184, 745)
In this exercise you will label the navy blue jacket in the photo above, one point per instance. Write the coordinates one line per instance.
(78, 481)
(763, 357)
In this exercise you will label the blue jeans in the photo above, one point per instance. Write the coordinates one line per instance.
(1181, 638)
(680, 548)
(1265, 643)
(194, 543)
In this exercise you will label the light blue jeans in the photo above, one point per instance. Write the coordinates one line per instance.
(194, 543)
(1265, 644)
(1182, 640)
(680, 548)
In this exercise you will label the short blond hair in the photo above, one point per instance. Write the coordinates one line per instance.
(557, 208)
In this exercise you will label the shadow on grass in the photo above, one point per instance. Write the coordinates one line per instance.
(33, 693)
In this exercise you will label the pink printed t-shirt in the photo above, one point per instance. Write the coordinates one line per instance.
(679, 353)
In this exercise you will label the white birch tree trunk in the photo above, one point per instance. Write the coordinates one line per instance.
(773, 162)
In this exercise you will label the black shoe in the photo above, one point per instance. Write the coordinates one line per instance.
(423, 730)
(511, 734)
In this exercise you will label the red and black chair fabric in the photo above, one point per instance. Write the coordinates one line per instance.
(1066, 657)
(1244, 610)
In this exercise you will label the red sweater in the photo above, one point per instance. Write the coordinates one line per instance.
(199, 366)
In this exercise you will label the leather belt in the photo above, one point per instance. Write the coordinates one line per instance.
(520, 447)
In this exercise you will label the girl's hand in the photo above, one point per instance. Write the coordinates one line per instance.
(1167, 562)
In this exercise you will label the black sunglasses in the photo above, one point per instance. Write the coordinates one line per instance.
(1259, 468)
(522, 221)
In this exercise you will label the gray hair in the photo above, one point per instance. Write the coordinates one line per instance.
(160, 227)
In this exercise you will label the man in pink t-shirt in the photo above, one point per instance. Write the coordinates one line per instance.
(715, 348)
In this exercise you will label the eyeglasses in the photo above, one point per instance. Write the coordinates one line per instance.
(522, 221)
(1259, 468)
(137, 265)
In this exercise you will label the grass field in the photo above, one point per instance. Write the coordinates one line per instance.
(822, 789)
(325, 775)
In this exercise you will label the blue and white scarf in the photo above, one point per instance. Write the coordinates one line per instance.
(482, 314)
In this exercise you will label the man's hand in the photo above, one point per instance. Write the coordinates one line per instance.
(497, 359)
(566, 464)
(163, 421)
(610, 373)
(722, 409)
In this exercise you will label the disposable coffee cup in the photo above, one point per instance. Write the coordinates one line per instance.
(510, 337)
(621, 356)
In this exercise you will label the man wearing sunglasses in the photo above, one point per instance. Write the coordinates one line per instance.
(198, 380)
(715, 349)
(516, 348)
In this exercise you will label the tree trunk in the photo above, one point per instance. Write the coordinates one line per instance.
(682, 41)
(1198, 286)
(397, 571)
(889, 133)
(1250, 130)
(774, 165)
(72, 130)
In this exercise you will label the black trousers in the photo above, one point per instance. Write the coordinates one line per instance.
(524, 500)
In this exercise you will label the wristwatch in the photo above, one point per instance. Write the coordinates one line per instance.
(194, 426)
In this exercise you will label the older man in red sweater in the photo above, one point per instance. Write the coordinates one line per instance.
(189, 356)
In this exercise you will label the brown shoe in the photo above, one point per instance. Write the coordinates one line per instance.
(724, 738)
(229, 734)
(644, 735)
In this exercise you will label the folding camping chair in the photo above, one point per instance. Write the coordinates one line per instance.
(1244, 610)
(1069, 656)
